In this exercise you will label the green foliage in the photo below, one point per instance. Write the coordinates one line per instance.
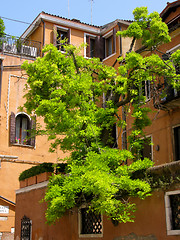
(149, 28)
(2, 28)
(44, 167)
(66, 90)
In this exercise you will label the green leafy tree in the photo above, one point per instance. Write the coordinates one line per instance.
(66, 90)
(2, 28)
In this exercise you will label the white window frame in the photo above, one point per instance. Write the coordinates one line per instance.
(80, 226)
(168, 212)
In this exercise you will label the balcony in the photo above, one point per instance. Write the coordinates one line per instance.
(19, 46)
(172, 100)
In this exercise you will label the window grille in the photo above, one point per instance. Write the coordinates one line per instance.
(91, 223)
(175, 208)
(25, 228)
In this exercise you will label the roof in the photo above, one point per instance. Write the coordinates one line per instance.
(169, 8)
(7, 200)
(71, 23)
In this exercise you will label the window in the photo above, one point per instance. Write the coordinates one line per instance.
(26, 224)
(60, 33)
(146, 151)
(146, 89)
(177, 143)
(172, 205)
(21, 127)
(91, 49)
(89, 223)
(109, 46)
(171, 92)
(110, 43)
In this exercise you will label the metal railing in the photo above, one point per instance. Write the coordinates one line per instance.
(20, 46)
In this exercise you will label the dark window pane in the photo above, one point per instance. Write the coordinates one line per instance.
(147, 149)
(177, 143)
(92, 47)
(175, 208)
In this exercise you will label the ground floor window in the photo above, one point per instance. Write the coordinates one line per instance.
(89, 222)
(26, 224)
(172, 204)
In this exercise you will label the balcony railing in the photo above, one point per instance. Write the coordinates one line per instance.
(20, 46)
(172, 99)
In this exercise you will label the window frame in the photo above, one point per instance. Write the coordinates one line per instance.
(63, 29)
(150, 136)
(21, 114)
(85, 47)
(80, 226)
(106, 36)
(30, 222)
(12, 132)
(168, 212)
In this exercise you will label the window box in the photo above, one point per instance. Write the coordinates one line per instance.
(42, 177)
(23, 183)
(32, 180)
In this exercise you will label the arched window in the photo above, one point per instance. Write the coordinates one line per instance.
(21, 127)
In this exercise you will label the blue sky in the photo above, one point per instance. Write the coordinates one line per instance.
(104, 11)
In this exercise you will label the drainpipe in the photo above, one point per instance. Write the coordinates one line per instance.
(124, 133)
(44, 26)
(1, 63)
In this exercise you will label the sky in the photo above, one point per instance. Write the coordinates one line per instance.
(103, 11)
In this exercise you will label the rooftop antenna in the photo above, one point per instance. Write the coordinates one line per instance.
(68, 10)
(91, 9)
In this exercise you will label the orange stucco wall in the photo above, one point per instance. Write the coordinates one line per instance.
(9, 223)
(150, 220)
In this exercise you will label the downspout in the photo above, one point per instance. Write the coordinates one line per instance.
(124, 134)
(44, 27)
(1, 63)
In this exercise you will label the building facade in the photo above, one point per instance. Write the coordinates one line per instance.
(157, 217)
